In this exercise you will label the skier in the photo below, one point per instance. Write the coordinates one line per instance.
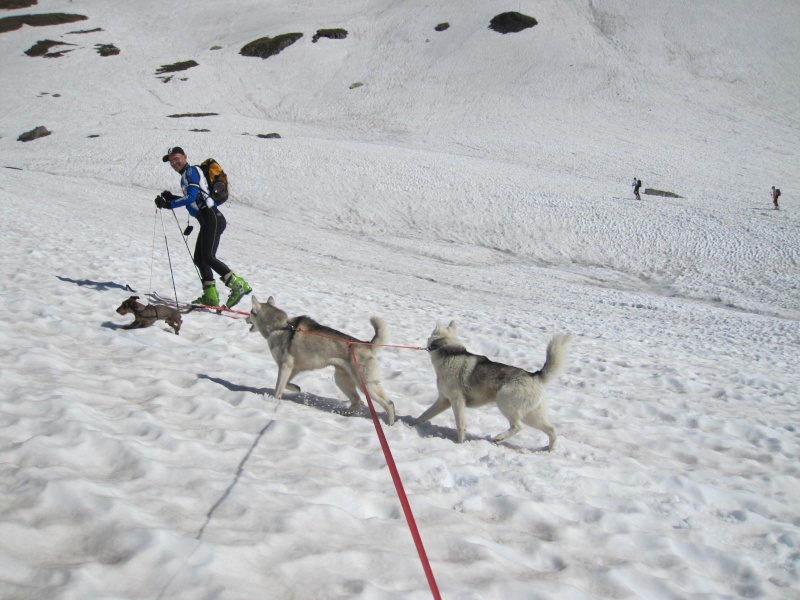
(637, 183)
(201, 206)
(775, 195)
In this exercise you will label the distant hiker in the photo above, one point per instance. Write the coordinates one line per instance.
(637, 183)
(776, 193)
(201, 206)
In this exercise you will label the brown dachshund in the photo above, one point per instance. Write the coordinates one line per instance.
(147, 315)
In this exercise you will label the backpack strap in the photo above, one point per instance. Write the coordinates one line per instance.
(203, 194)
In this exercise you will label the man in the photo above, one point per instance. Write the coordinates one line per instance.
(776, 193)
(201, 206)
(637, 183)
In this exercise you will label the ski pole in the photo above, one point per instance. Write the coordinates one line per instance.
(169, 259)
(185, 243)
(153, 253)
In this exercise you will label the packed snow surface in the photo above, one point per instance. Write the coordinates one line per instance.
(472, 176)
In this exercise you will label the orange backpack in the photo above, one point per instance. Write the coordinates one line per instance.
(217, 180)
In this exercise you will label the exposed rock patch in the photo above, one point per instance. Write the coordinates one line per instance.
(333, 34)
(106, 49)
(511, 22)
(182, 115)
(15, 4)
(81, 31)
(12, 23)
(267, 46)
(175, 67)
(442, 27)
(42, 48)
(34, 134)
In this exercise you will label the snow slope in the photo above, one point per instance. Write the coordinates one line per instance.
(473, 176)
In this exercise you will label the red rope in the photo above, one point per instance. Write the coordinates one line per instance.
(387, 453)
(355, 342)
(398, 483)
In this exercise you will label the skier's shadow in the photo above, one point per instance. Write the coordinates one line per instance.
(101, 286)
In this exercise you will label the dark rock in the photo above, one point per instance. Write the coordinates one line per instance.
(442, 27)
(42, 48)
(80, 31)
(106, 49)
(12, 23)
(34, 134)
(268, 136)
(175, 67)
(14, 4)
(511, 22)
(182, 115)
(333, 34)
(266, 46)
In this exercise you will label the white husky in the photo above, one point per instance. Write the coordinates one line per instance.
(467, 380)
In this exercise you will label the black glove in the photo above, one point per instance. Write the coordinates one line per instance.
(167, 195)
(161, 202)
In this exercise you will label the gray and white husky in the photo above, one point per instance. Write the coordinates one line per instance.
(301, 344)
(467, 380)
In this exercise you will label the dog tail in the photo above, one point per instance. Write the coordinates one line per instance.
(556, 356)
(381, 333)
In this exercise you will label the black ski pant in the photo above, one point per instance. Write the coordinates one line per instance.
(212, 224)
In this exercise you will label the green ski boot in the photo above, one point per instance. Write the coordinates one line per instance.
(210, 296)
(239, 288)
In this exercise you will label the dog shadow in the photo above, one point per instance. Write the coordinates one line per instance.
(429, 430)
(117, 326)
(339, 407)
(328, 405)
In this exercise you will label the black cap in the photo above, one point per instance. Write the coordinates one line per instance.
(171, 151)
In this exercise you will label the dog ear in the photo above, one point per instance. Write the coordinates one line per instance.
(452, 326)
(271, 301)
(255, 303)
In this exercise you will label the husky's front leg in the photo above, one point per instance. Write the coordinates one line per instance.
(460, 412)
(436, 408)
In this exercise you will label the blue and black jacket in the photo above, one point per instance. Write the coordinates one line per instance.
(195, 191)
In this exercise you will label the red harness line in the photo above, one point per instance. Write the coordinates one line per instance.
(387, 453)
(398, 483)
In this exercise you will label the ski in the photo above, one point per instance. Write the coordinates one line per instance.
(185, 307)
